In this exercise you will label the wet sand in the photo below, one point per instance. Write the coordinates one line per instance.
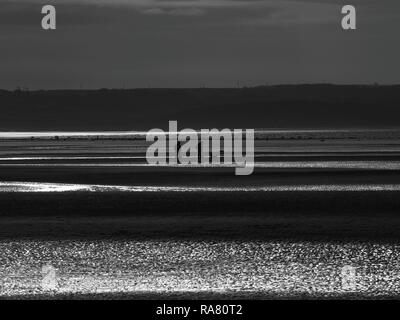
(116, 231)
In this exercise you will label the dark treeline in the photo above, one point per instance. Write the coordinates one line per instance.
(285, 106)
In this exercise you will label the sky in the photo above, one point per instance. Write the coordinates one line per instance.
(197, 43)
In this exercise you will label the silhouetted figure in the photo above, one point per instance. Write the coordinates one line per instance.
(207, 159)
(178, 147)
(199, 153)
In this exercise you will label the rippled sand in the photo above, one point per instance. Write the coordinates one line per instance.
(237, 269)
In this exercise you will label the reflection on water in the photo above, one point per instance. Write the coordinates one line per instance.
(52, 134)
(365, 165)
(45, 134)
(65, 187)
(276, 268)
(69, 158)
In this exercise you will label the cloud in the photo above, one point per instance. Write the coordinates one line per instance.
(21, 13)
(24, 12)
(86, 12)
(175, 11)
(191, 42)
(153, 3)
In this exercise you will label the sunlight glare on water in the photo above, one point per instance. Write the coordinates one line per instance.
(65, 187)
(279, 268)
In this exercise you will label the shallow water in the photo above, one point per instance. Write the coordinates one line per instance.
(250, 267)
(37, 187)
(268, 268)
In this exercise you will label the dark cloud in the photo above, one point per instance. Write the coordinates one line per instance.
(136, 43)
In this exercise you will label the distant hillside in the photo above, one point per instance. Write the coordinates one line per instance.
(297, 106)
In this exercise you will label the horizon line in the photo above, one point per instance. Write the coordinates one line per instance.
(27, 89)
